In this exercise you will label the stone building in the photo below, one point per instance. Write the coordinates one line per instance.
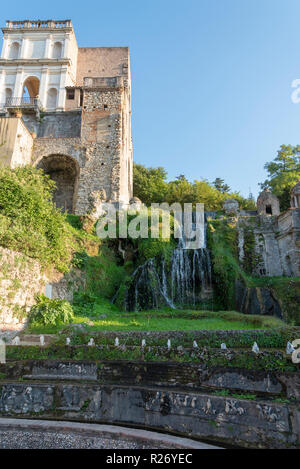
(268, 203)
(67, 109)
(276, 235)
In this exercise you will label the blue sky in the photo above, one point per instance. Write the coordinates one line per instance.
(211, 78)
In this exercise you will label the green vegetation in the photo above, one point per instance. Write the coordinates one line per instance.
(283, 174)
(29, 221)
(222, 241)
(151, 186)
(51, 312)
(106, 317)
(287, 290)
(267, 361)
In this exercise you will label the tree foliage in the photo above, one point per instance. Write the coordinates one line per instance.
(29, 221)
(151, 186)
(283, 173)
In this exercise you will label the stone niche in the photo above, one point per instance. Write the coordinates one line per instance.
(268, 204)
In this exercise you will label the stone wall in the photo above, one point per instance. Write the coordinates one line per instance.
(289, 241)
(104, 134)
(178, 398)
(21, 279)
(54, 124)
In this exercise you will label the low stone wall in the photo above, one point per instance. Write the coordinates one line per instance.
(183, 399)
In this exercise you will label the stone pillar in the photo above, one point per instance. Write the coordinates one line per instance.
(4, 53)
(48, 47)
(18, 89)
(43, 86)
(62, 89)
(23, 50)
(66, 51)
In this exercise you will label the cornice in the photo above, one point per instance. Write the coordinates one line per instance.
(44, 61)
(31, 30)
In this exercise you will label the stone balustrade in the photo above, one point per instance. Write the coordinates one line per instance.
(29, 24)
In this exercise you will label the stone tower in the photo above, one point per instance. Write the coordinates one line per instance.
(67, 110)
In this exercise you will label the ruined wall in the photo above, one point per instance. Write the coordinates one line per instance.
(289, 241)
(21, 279)
(264, 247)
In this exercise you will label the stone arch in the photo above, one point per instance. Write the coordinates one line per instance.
(51, 98)
(57, 50)
(14, 50)
(31, 87)
(64, 171)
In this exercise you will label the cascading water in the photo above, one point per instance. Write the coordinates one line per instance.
(183, 280)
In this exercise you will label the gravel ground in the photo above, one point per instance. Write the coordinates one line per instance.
(15, 439)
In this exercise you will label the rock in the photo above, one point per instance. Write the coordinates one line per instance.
(251, 300)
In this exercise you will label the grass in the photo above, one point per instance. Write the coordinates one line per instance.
(106, 317)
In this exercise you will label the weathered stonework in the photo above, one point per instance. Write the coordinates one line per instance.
(178, 398)
(87, 126)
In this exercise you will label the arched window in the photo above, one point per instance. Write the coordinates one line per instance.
(57, 50)
(51, 98)
(8, 95)
(31, 87)
(14, 50)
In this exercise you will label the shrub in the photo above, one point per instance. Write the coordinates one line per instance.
(30, 222)
(51, 312)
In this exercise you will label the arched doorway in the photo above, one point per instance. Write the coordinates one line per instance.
(64, 171)
(31, 87)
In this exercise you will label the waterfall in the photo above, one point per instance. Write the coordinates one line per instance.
(183, 280)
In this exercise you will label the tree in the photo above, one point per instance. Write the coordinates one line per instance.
(149, 184)
(221, 186)
(283, 174)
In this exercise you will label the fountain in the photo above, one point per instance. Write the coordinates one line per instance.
(184, 279)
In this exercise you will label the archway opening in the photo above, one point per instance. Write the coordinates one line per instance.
(31, 87)
(64, 171)
(269, 209)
